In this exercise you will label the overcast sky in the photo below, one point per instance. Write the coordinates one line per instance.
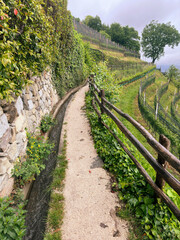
(134, 13)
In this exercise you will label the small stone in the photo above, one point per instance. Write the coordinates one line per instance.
(13, 152)
(30, 94)
(7, 187)
(3, 125)
(30, 104)
(1, 111)
(25, 102)
(19, 105)
(20, 123)
(21, 137)
(40, 93)
(5, 140)
(13, 134)
(3, 180)
(103, 225)
(116, 234)
(27, 89)
(10, 111)
(4, 166)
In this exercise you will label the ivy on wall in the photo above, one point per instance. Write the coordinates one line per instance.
(33, 35)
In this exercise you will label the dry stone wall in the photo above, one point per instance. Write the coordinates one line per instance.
(24, 113)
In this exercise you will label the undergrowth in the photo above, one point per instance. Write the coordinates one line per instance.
(156, 219)
(56, 207)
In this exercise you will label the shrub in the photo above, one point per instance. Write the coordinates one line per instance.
(12, 220)
(46, 123)
(37, 151)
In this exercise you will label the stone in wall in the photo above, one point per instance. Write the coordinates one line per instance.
(4, 165)
(19, 105)
(25, 112)
(10, 111)
(20, 123)
(3, 125)
(5, 140)
(1, 111)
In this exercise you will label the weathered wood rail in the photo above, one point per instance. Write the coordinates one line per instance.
(163, 154)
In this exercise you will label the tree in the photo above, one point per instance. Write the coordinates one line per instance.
(172, 73)
(116, 32)
(93, 22)
(125, 36)
(156, 36)
(130, 38)
(105, 34)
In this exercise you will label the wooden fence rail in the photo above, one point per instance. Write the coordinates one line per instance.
(163, 153)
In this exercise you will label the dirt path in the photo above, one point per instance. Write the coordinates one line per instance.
(89, 203)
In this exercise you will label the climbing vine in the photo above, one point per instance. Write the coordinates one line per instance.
(33, 35)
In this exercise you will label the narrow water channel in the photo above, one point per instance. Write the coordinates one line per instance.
(37, 207)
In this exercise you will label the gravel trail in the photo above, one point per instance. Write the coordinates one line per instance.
(89, 203)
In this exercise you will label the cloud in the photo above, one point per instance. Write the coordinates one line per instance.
(140, 12)
(135, 13)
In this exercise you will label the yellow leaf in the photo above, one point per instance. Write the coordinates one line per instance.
(5, 61)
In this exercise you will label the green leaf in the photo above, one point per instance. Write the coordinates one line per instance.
(6, 61)
(148, 200)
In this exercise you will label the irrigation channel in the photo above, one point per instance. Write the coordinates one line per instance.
(38, 202)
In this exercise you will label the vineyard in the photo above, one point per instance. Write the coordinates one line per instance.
(93, 36)
(142, 92)
(133, 110)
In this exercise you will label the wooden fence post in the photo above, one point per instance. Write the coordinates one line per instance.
(156, 112)
(102, 94)
(164, 141)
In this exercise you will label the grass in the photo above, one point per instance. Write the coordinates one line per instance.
(116, 54)
(135, 229)
(128, 103)
(56, 207)
(167, 98)
(152, 89)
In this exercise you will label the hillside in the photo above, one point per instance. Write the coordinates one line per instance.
(43, 63)
(121, 81)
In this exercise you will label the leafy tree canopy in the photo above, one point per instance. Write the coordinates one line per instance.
(125, 36)
(156, 36)
(105, 34)
(173, 74)
(93, 22)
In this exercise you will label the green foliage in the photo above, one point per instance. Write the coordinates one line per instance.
(97, 55)
(25, 40)
(173, 110)
(46, 123)
(37, 151)
(93, 22)
(156, 36)
(35, 34)
(125, 36)
(103, 75)
(137, 76)
(70, 64)
(155, 218)
(105, 34)
(173, 73)
(157, 125)
(56, 210)
(12, 220)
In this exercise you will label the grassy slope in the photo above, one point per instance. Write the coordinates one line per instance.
(152, 89)
(128, 101)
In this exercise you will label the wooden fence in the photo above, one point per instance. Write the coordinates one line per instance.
(163, 153)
